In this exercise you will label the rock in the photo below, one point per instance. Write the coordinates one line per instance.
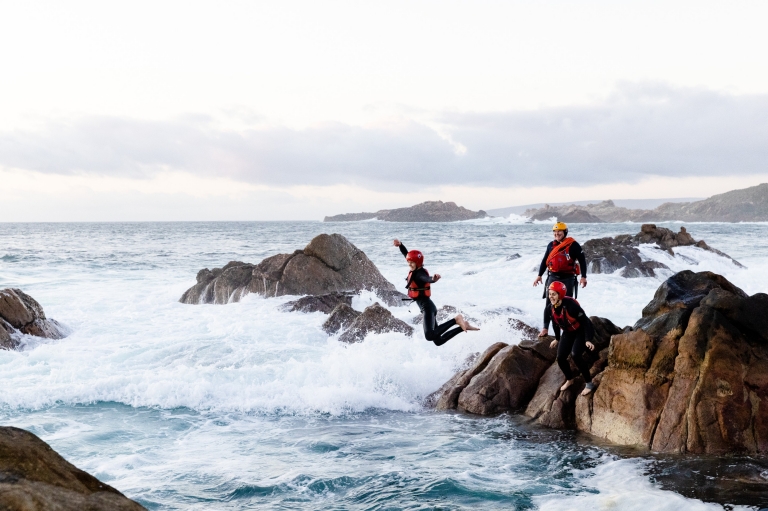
(568, 214)
(342, 316)
(328, 264)
(606, 255)
(526, 330)
(691, 377)
(34, 477)
(512, 257)
(374, 319)
(20, 313)
(322, 303)
(430, 211)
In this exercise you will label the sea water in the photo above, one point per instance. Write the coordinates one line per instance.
(246, 406)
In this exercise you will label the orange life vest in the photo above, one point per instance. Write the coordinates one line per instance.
(563, 319)
(414, 291)
(560, 261)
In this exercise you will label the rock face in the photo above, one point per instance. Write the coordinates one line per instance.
(374, 319)
(33, 477)
(328, 264)
(606, 255)
(20, 313)
(431, 211)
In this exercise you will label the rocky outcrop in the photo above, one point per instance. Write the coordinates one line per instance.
(341, 317)
(33, 477)
(375, 319)
(328, 264)
(322, 303)
(431, 211)
(568, 214)
(606, 255)
(22, 314)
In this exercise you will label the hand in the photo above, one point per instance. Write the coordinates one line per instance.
(396, 243)
(583, 281)
(537, 281)
(543, 332)
(435, 277)
(590, 346)
(553, 344)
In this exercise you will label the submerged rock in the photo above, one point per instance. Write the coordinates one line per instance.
(20, 313)
(322, 303)
(328, 264)
(606, 255)
(374, 319)
(35, 477)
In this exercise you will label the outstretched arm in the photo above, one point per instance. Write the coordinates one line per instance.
(403, 250)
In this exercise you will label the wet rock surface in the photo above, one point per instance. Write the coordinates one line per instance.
(374, 319)
(322, 303)
(341, 317)
(34, 477)
(606, 255)
(22, 314)
(328, 264)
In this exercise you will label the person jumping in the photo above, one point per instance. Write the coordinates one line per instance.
(578, 332)
(560, 262)
(418, 286)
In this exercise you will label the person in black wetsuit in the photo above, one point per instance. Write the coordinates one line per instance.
(559, 262)
(577, 333)
(419, 290)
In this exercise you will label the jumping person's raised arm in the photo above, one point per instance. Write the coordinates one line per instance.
(403, 250)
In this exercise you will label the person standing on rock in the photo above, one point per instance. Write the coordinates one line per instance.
(563, 261)
(418, 286)
(577, 333)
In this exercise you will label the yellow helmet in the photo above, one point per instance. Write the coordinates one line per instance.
(560, 226)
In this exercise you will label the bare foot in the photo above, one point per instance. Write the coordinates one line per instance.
(588, 389)
(565, 386)
(464, 324)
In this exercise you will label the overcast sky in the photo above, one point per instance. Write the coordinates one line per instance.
(296, 110)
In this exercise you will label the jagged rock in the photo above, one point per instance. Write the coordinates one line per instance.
(342, 316)
(33, 477)
(430, 211)
(20, 313)
(328, 264)
(322, 303)
(374, 319)
(526, 330)
(606, 255)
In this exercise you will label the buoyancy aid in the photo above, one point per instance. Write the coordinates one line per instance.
(563, 319)
(414, 291)
(559, 259)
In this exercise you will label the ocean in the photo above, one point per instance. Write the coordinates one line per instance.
(245, 406)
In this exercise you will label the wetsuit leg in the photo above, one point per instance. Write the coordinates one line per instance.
(579, 345)
(563, 350)
(432, 332)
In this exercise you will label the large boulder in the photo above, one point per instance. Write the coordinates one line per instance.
(328, 264)
(606, 255)
(34, 477)
(341, 317)
(20, 313)
(375, 319)
(691, 377)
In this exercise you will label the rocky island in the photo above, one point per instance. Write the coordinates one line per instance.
(431, 211)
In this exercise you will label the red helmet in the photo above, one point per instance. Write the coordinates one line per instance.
(559, 288)
(416, 257)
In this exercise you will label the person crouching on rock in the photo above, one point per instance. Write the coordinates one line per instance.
(418, 286)
(560, 261)
(577, 333)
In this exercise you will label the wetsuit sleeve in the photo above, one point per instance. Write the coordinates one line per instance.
(421, 278)
(543, 265)
(403, 250)
(548, 319)
(556, 328)
(576, 252)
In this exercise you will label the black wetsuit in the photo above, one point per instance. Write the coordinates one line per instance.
(569, 279)
(439, 334)
(572, 342)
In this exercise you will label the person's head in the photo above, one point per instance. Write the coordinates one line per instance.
(556, 292)
(415, 259)
(560, 231)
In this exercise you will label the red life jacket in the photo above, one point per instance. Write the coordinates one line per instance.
(563, 319)
(560, 261)
(414, 291)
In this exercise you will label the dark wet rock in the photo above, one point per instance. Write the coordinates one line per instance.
(430, 211)
(20, 313)
(328, 264)
(341, 317)
(33, 477)
(526, 330)
(606, 255)
(375, 319)
(512, 257)
(322, 303)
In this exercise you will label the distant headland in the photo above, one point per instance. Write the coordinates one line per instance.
(430, 211)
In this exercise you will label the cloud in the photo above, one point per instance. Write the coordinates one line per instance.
(640, 131)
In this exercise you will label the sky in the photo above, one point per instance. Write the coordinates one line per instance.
(293, 110)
